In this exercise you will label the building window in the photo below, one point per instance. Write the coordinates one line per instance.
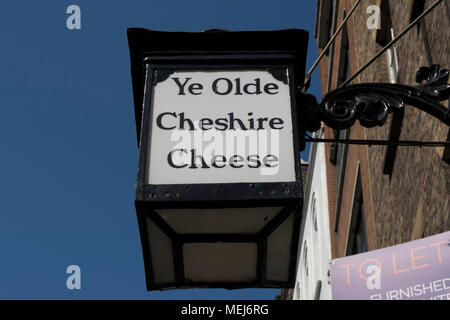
(392, 59)
(338, 151)
(417, 9)
(305, 258)
(344, 71)
(384, 36)
(357, 239)
(314, 211)
(327, 18)
(330, 31)
(318, 290)
(397, 117)
(446, 163)
(297, 291)
(394, 135)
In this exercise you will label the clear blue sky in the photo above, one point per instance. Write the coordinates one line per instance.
(68, 145)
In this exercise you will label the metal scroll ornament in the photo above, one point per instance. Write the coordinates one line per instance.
(371, 103)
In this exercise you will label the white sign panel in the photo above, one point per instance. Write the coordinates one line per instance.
(220, 127)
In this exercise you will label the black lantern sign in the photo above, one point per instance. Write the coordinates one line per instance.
(219, 189)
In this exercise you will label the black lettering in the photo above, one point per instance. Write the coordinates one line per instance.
(269, 159)
(251, 121)
(276, 121)
(159, 120)
(170, 161)
(223, 123)
(187, 120)
(238, 87)
(235, 163)
(257, 86)
(194, 157)
(206, 122)
(261, 123)
(270, 86)
(220, 165)
(239, 121)
(195, 86)
(181, 86)
(229, 88)
(253, 159)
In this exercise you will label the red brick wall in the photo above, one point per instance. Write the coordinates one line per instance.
(413, 202)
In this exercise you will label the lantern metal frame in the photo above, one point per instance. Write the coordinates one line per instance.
(288, 195)
(151, 65)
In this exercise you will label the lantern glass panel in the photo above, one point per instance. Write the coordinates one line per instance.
(218, 221)
(279, 251)
(161, 254)
(220, 265)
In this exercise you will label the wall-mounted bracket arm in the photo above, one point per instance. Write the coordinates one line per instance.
(371, 103)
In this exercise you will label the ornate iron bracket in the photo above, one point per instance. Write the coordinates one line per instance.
(371, 103)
